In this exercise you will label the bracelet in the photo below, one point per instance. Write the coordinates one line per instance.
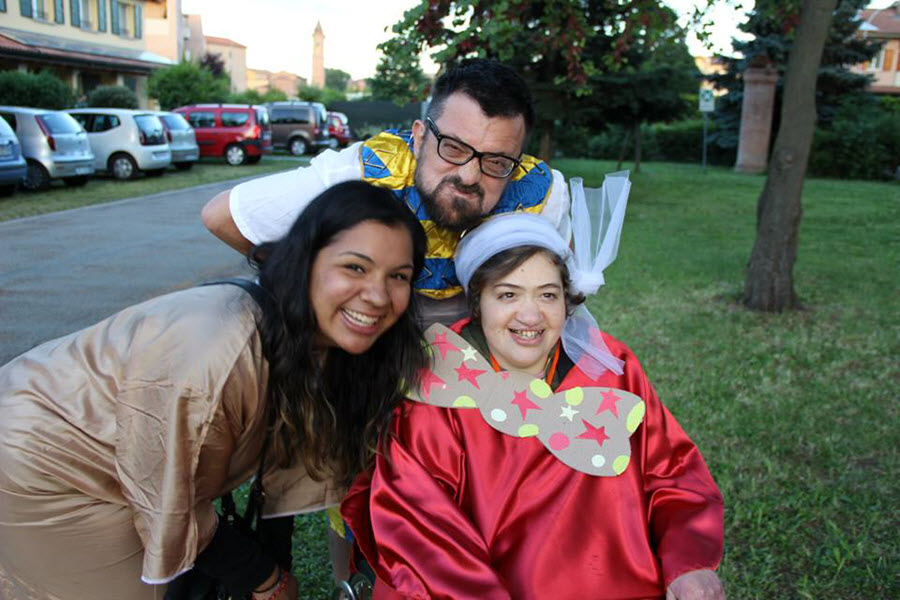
(278, 586)
(274, 584)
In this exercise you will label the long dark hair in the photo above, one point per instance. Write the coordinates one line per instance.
(332, 413)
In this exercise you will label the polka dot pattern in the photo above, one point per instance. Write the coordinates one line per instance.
(559, 441)
(464, 402)
(499, 415)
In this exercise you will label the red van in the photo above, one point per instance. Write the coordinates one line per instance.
(239, 132)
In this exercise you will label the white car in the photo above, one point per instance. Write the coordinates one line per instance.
(182, 140)
(125, 141)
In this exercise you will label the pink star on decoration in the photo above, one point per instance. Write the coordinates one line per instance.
(429, 379)
(524, 403)
(440, 340)
(470, 375)
(609, 403)
(598, 434)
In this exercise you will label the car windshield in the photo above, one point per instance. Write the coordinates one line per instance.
(175, 122)
(262, 116)
(59, 123)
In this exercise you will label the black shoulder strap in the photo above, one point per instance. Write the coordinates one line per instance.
(251, 287)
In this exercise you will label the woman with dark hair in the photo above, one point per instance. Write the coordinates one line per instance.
(116, 439)
(536, 460)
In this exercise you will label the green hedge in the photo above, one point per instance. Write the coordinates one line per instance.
(37, 90)
(112, 96)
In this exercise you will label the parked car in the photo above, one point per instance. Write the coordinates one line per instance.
(54, 144)
(125, 141)
(299, 127)
(239, 132)
(12, 164)
(182, 140)
(339, 129)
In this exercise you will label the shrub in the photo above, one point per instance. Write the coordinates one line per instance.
(112, 96)
(38, 90)
(186, 83)
(863, 142)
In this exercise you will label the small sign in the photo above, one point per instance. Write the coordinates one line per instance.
(707, 100)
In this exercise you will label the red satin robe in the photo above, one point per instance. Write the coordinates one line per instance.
(460, 510)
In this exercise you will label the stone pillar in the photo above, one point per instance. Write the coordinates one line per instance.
(756, 119)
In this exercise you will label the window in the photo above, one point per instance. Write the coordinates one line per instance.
(888, 60)
(290, 115)
(2, 5)
(126, 19)
(175, 122)
(202, 119)
(83, 120)
(234, 119)
(151, 128)
(39, 10)
(59, 123)
(104, 123)
(9, 118)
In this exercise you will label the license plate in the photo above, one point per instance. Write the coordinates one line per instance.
(83, 171)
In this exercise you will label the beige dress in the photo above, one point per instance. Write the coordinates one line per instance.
(115, 440)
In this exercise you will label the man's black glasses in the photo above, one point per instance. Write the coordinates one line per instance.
(459, 153)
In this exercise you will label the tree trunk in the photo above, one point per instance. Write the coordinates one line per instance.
(637, 147)
(626, 143)
(545, 152)
(770, 285)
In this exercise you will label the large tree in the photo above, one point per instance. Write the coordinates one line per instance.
(556, 45)
(186, 83)
(772, 25)
(770, 285)
(337, 79)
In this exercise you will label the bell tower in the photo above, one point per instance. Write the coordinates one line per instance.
(318, 65)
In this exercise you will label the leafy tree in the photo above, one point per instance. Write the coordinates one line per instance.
(325, 95)
(398, 76)
(657, 74)
(214, 64)
(336, 79)
(556, 45)
(254, 97)
(112, 96)
(39, 90)
(769, 285)
(186, 83)
(772, 24)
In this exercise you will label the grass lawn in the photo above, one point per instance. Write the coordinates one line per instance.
(796, 413)
(103, 188)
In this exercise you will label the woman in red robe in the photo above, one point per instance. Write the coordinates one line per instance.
(513, 473)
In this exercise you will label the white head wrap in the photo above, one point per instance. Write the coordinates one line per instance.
(597, 217)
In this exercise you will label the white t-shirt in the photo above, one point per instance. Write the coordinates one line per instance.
(264, 209)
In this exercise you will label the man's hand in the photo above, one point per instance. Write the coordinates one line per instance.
(701, 584)
(216, 216)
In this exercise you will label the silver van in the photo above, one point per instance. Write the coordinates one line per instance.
(125, 141)
(12, 163)
(54, 144)
(182, 140)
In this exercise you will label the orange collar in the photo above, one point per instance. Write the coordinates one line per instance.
(550, 372)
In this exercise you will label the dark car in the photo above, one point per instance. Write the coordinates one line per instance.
(299, 127)
(12, 164)
(240, 133)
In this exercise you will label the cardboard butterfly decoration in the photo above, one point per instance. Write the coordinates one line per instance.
(587, 428)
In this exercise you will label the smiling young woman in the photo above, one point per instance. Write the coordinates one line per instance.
(116, 440)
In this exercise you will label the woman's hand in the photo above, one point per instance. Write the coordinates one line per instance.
(701, 584)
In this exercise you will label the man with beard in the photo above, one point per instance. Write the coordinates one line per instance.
(463, 163)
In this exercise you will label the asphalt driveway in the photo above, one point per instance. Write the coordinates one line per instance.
(63, 271)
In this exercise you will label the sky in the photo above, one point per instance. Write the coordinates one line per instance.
(278, 33)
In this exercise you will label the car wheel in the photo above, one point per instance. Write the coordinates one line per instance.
(298, 146)
(252, 160)
(76, 181)
(155, 172)
(184, 166)
(37, 178)
(122, 167)
(6, 190)
(235, 155)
